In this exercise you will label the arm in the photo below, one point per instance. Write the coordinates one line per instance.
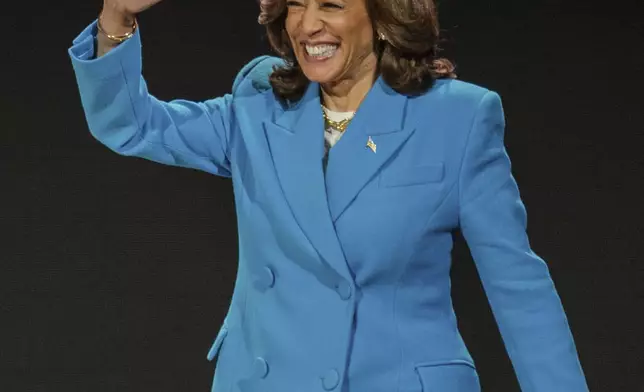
(517, 282)
(126, 118)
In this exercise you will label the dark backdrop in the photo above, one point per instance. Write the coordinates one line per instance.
(115, 272)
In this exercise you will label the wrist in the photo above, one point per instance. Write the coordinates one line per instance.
(112, 30)
(115, 22)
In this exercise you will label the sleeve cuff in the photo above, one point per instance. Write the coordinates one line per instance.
(126, 55)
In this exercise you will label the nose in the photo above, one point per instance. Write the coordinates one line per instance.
(311, 22)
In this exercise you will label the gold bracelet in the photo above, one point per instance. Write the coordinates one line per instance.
(117, 38)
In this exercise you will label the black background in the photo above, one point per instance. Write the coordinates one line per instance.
(116, 272)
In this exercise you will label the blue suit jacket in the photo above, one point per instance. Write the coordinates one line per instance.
(343, 279)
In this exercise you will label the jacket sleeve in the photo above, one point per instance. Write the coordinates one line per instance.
(517, 282)
(126, 118)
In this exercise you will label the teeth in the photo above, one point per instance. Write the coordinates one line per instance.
(324, 50)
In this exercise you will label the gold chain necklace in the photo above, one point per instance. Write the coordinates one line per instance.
(337, 125)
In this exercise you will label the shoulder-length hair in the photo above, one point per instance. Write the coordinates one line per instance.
(406, 35)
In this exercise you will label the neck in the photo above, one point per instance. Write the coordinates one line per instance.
(347, 94)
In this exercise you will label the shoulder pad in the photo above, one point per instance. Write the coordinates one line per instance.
(254, 76)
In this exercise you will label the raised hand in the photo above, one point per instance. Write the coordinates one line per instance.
(128, 7)
(118, 15)
(117, 18)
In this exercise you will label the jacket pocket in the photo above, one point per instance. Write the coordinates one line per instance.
(448, 376)
(219, 340)
(414, 175)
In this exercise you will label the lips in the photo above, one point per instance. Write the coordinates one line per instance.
(321, 50)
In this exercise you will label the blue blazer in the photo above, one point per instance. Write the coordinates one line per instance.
(343, 278)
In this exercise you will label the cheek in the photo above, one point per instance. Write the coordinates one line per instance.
(362, 44)
(290, 27)
(362, 35)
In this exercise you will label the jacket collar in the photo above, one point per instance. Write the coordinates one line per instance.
(296, 140)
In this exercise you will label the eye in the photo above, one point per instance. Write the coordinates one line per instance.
(328, 4)
(293, 4)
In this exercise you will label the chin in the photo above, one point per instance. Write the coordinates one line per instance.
(321, 71)
(320, 76)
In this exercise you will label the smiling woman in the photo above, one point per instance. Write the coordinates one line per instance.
(353, 158)
(339, 40)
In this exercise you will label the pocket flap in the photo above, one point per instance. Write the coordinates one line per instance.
(214, 350)
(414, 175)
(448, 376)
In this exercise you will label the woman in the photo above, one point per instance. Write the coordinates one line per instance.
(344, 243)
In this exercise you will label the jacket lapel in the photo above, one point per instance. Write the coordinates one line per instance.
(296, 141)
(352, 163)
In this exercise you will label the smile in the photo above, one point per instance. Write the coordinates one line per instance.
(322, 51)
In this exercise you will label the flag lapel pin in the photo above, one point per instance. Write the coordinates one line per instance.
(371, 144)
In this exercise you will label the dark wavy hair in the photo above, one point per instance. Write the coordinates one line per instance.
(407, 56)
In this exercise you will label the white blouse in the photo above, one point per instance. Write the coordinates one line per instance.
(331, 136)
